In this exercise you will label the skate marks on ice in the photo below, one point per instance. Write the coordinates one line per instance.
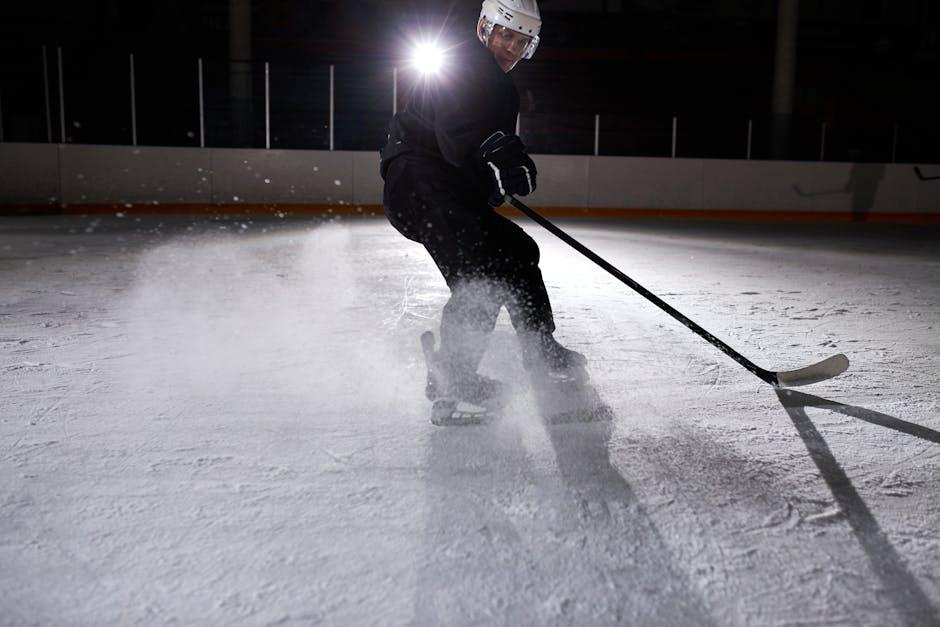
(522, 534)
(897, 582)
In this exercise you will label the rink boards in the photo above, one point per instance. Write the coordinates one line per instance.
(47, 178)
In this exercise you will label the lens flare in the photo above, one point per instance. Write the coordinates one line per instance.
(428, 58)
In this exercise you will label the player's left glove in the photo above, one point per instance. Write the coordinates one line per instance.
(508, 166)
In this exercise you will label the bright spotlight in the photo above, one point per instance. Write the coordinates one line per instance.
(428, 58)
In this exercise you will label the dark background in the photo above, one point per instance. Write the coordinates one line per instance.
(867, 68)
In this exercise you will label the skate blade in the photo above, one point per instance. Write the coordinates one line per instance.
(454, 414)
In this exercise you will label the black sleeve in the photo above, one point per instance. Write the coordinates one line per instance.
(467, 111)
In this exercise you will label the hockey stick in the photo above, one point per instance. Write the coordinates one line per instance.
(825, 369)
(921, 176)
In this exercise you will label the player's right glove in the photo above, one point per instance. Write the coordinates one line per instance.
(507, 165)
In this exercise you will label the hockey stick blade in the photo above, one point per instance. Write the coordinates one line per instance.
(825, 369)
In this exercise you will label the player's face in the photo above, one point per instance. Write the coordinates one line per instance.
(507, 46)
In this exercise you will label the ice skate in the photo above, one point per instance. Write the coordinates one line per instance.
(560, 382)
(545, 358)
(563, 399)
(459, 399)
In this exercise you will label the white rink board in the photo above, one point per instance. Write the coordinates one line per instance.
(35, 173)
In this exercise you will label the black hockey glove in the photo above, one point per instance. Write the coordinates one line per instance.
(509, 168)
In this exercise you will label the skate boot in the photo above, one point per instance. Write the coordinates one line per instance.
(459, 398)
(543, 355)
(560, 383)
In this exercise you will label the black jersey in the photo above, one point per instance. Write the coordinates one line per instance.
(451, 113)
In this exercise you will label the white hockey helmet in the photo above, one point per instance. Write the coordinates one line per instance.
(521, 16)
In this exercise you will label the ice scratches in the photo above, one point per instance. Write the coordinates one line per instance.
(897, 485)
(789, 518)
(43, 366)
(236, 603)
(594, 510)
(840, 619)
(797, 512)
(407, 308)
(27, 365)
(345, 460)
(501, 534)
(828, 515)
(306, 618)
(195, 464)
(18, 340)
(22, 452)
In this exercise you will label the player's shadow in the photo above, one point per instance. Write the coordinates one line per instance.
(863, 184)
(504, 542)
(470, 554)
(864, 181)
(650, 589)
(906, 593)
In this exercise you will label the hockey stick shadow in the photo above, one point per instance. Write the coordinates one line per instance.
(828, 192)
(791, 398)
(905, 591)
(923, 176)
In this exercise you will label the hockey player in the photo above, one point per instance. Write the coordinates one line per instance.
(452, 156)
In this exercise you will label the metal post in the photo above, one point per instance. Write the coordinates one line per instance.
(332, 104)
(894, 144)
(267, 105)
(597, 134)
(675, 132)
(518, 125)
(822, 143)
(202, 121)
(133, 104)
(394, 90)
(750, 137)
(45, 92)
(61, 97)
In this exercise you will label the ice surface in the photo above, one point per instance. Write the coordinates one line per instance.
(220, 421)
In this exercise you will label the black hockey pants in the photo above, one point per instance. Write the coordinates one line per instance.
(487, 260)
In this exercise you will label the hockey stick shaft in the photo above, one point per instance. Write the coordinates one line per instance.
(765, 375)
